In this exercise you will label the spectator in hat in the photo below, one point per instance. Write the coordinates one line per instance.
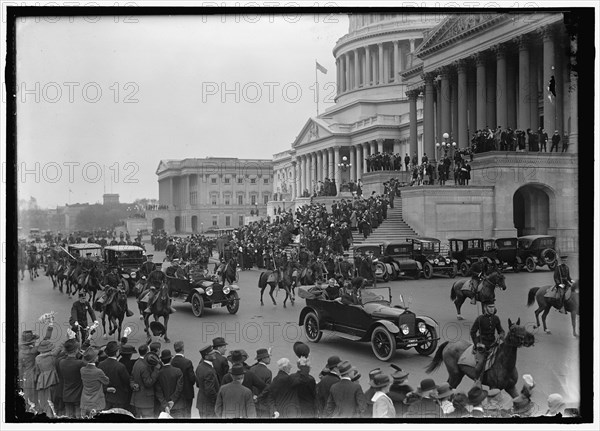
(556, 405)
(207, 382)
(476, 396)
(493, 404)
(425, 406)
(346, 398)
(261, 371)
(305, 387)
(280, 394)
(93, 380)
(301, 349)
(522, 406)
(70, 370)
(329, 376)
(443, 395)
(47, 377)
(117, 391)
(27, 354)
(399, 390)
(251, 381)
(189, 378)
(126, 352)
(370, 392)
(169, 387)
(383, 407)
(234, 400)
(144, 376)
(460, 402)
(220, 362)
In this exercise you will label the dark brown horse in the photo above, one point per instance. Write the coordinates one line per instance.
(503, 372)
(115, 312)
(160, 308)
(488, 286)
(273, 279)
(546, 304)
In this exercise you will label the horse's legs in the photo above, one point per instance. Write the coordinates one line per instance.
(574, 323)
(286, 296)
(166, 319)
(537, 318)
(103, 316)
(262, 290)
(458, 302)
(271, 294)
(544, 314)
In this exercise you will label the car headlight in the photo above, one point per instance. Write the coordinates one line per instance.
(405, 329)
(132, 275)
(435, 261)
(422, 327)
(226, 290)
(209, 291)
(447, 260)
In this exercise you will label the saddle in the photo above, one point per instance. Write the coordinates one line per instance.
(468, 358)
(554, 293)
(468, 286)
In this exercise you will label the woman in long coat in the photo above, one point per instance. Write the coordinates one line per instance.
(27, 371)
(47, 377)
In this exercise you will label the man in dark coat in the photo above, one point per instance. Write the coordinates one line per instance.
(425, 407)
(189, 378)
(169, 387)
(399, 390)
(234, 400)
(220, 362)
(346, 398)
(79, 311)
(262, 372)
(208, 384)
(250, 380)
(70, 367)
(117, 391)
(483, 334)
(143, 377)
(330, 376)
(280, 393)
(305, 387)
(562, 280)
(370, 392)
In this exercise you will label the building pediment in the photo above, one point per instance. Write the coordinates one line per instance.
(315, 129)
(163, 165)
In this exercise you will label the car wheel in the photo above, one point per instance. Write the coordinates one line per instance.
(233, 305)
(552, 266)
(453, 272)
(530, 264)
(311, 327)
(383, 343)
(197, 304)
(427, 270)
(428, 348)
(464, 269)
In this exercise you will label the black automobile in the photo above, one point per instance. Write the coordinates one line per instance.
(503, 253)
(427, 251)
(128, 259)
(372, 319)
(194, 284)
(538, 250)
(383, 271)
(399, 255)
(465, 252)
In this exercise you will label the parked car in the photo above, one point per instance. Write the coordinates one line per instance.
(128, 259)
(82, 249)
(198, 287)
(537, 250)
(383, 271)
(503, 252)
(465, 252)
(372, 319)
(400, 256)
(427, 252)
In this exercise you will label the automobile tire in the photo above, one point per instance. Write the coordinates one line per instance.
(383, 343)
(552, 266)
(233, 305)
(549, 256)
(429, 348)
(197, 304)
(453, 272)
(311, 327)
(427, 270)
(530, 264)
(464, 269)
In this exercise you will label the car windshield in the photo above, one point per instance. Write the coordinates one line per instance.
(374, 249)
(507, 243)
(431, 247)
(398, 249)
(378, 294)
(546, 242)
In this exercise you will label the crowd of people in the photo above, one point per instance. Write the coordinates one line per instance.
(507, 139)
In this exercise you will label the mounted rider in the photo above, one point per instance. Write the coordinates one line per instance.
(112, 284)
(147, 267)
(483, 334)
(563, 281)
(156, 279)
(477, 274)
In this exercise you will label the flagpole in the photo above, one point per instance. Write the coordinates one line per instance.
(317, 85)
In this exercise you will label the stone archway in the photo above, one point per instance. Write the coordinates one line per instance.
(531, 210)
(177, 224)
(195, 224)
(158, 224)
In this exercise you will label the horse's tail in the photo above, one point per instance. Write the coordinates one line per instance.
(437, 359)
(531, 296)
(452, 292)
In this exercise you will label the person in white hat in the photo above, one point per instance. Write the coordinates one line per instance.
(556, 405)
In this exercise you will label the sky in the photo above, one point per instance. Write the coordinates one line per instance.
(101, 100)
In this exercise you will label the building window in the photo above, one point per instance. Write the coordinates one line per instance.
(227, 180)
(253, 199)
(193, 198)
(240, 199)
(240, 180)
(252, 180)
(215, 220)
(213, 180)
(241, 220)
(227, 220)
(266, 181)
(227, 199)
(213, 199)
(266, 199)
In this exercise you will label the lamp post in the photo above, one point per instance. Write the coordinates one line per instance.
(446, 145)
(344, 165)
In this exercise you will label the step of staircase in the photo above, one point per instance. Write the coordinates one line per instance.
(394, 228)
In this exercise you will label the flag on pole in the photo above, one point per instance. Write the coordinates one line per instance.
(320, 68)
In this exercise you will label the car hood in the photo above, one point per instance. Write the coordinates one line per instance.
(382, 311)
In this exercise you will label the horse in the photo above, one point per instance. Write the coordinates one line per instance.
(273, 279)
(490, 283)
(52, 271)
(160, 308)
(115, 312)
(502, 373)
(32, 265)
(546, 304)
(229, 272)
(89, 280)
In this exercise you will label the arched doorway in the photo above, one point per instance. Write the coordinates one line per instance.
(177, 224)
(158, 224)
(195, 224)
(531, 210)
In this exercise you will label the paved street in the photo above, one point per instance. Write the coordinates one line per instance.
(553, 360)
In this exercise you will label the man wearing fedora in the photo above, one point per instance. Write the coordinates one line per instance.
(425, 406)
(70, 367)
(483, 334)
(93, 379)
(207, 382)
(143, 377)
(220, 362)
(234, 400)
(250, 380)
(399, 390)
(563, 281)
(346, 398)
(169, 387)
(443, 394)
(117, 391)
(476, 396)
(261, 371)
(189, 378)
(79, 312)
(329, 376)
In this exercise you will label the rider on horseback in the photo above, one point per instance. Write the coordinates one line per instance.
(112, 284)
(562, 280)
(483, 334)
(477, 274)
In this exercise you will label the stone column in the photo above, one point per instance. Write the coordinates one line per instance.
(438, 111)
(347, 83)
(573, 99)
(396, 62)
(461, 132)
(444, 96)
(352, 163)
(428, 114)
(324, 165)
(337, 76)
(524, 94)
(380, 145)
(412, 115)
(366, 147)
(561, 78)
(397, 143)
(412, 48)
(319, 156)
(331, 163)
(356, 69)
(490, 95)
(338, 171)
(367, 66)
(511, 92)
(295, 169)
(481, 91)
(534, 68)
(373, 147)
(359, 162)
(307, 172)
(380, 56)
(548, 73)
(501, 88)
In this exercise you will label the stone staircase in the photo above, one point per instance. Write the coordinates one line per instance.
(392, 229)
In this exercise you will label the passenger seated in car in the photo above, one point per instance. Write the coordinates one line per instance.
(352, 297)
(332, 289)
